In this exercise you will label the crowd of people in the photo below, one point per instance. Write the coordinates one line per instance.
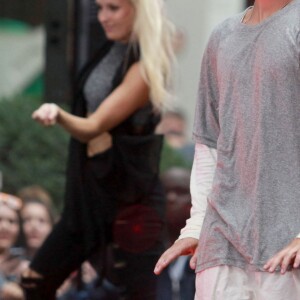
(25, 222)
(27, 218)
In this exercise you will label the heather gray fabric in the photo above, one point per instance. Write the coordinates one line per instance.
(99, 84)
(249, 110)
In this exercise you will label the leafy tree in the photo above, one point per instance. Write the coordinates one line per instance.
(30, 154)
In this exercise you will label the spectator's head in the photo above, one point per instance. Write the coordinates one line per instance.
(37, 224)
(33, 192)
(10, 207)
(176, 182)
(173, 126)
(37, 217)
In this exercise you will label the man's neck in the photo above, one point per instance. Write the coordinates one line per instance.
(265, 8)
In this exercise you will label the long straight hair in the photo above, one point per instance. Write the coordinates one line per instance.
(156, 38)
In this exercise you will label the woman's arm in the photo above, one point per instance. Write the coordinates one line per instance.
(130, 95)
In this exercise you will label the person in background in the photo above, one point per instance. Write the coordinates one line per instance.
(12, 262)
(177, 282)
(79, 284)
(37, 218)
(244, 230)
(85, 284)
(37, 192)
(173, 126)
(114, 156)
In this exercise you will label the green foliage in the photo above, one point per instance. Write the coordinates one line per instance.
(29, 153)
(171, 158)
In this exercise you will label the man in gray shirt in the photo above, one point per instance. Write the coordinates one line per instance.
(246, 171)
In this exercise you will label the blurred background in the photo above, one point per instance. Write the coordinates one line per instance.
(43, 44)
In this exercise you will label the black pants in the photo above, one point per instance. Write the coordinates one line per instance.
(61, 254)
(63, 251)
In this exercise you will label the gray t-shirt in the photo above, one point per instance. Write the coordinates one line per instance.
(249, 110)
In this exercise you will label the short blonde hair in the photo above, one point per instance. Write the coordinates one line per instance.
(156, 35)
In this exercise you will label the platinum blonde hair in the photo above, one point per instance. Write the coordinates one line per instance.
(156, 37)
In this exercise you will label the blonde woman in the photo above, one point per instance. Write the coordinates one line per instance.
(113, 197)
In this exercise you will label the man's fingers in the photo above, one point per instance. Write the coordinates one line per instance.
(160, 266)
(184, 246)
(274, 262)
(297, 261)
(166, 259)
(286, 261)
(193, 260)
(290, 258)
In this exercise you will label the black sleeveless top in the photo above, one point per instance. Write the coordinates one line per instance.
(135, 156)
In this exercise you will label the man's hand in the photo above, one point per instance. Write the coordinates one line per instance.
(290, 255)
(186, 246)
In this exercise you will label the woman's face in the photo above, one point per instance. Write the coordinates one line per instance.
(36, 224)
(9, 227)
(116, 18)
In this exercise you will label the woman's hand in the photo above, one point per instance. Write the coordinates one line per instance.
(186, 246)
(11, 291)
(46, 114)
(290, 255)
(131, 95)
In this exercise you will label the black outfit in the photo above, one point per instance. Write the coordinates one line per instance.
(103, 195)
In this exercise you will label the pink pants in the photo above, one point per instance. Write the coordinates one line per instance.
(231, 283)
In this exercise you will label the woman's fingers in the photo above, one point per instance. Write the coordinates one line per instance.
(46, 114)
(52, 113)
